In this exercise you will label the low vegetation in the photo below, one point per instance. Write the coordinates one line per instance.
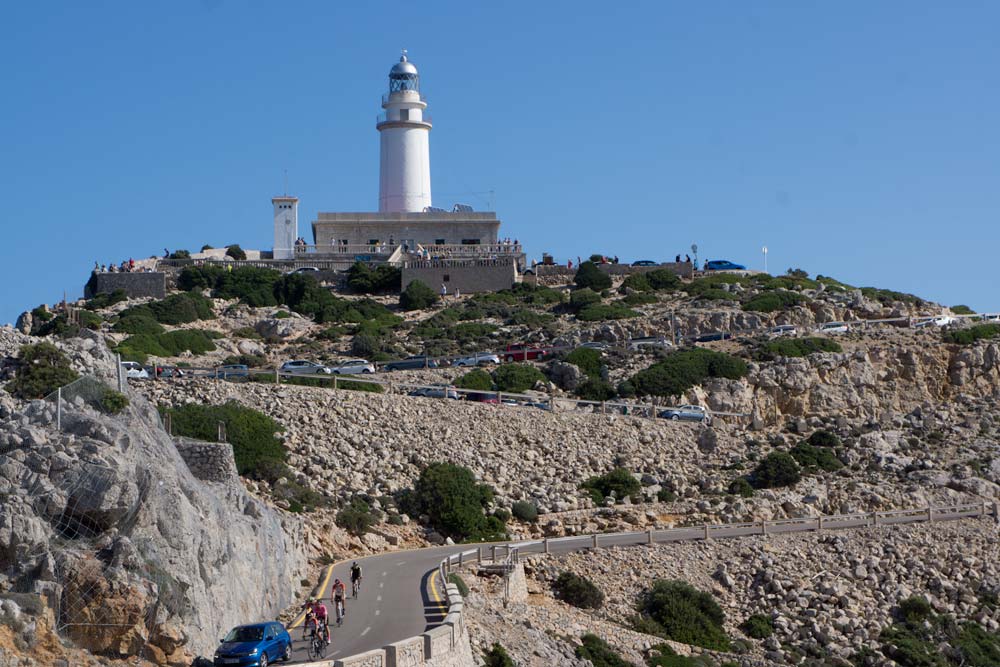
(972, 334)
(181, 308)
(577, 590)
(113, 402)
(357, 518)
(475, 379)
(599, 653)
(771, 302)
(815, 458)
(417, 296)
(922, 638)
(618, 484)
(588, 274)
(380, 280)
(454, 502)
(650, 281)
(517, 377)
(587, 360)
(497, 656)
(524, 510)
(682, 370)
(758, 626)
(675, 610)
(106, 299)
(775, 470)
(796, 347)
(169, 344)
(40, 370)
(599, 312)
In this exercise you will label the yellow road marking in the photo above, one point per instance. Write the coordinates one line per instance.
(434, 590)
(318, 594)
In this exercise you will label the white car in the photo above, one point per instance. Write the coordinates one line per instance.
(302, 367)
(133, 371)
(352, 366)
(651, 341)
(834, 328)
(598, 345)
(477, 359)
(305, 269)
(939, 321)
(783, 330)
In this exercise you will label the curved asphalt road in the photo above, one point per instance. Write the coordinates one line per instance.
(402, 594)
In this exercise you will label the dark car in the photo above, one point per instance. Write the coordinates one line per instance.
(645, 262)
(412, 363)
(482, 397)
(723, 265)
(169, 372)
(521, 352)
(436, 391)
(231, 371)
(255, 645)
(713, 336)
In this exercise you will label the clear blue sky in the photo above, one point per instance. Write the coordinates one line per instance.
(856, 139)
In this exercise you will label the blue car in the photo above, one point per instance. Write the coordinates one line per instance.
(723, 265)
(256, 645)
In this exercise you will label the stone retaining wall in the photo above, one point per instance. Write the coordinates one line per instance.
(136, 285)
(468, 279)
(208, 461)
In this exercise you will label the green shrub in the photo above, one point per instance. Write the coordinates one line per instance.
(384, 278)
(915, 609)
(180, 254)
(89, 320)
(599, 653)
(741, 487)
(679, 612)
(249, 360)
(639, 299)
(600, 312)
(281, 315)
(796, 347)
(587, 360)
(775, 470)
(475, 379)
(530, 318)
(972, 334)
(770, 302)
(660, 279)
(517, 377)
(962, 309)
(357, 518)
(113, 402)
(365, 345)
(578, 591)
(257, 450)
(105, 299)
(138, 322)
(886, 297)
(823, 438)
(758, 626)
(666, 496)
(450, 496)
(169, 344)
(581, 298)
(40, 370)
(417, 296)
(251, 285)
(198, 277)
(463, 588)
(332, 333)
(589, 275)
(667, 658)
(236, 252)
(637, 282)
(525, 510)
(684, 369)
(596, 389)
(619, 483)
(815, 458)
(181, 308)
(497, 656)
(56, 326)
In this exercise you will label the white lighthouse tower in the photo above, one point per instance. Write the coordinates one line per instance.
(404, 133)
(286, 226)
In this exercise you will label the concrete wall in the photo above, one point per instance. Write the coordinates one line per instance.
(468, 277)
(424, 228)
(136, 285)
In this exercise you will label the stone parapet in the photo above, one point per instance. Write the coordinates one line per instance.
(208, 461)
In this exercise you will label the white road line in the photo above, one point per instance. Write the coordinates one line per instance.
(382, 585)
(366, 630)
(378, 599)
(384, 573)
(378, 611)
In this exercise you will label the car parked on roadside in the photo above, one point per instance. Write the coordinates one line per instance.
(255, 645)
(352, 366)
(305, 269)
(168, 372)
(230, 371)
(688, 413)
(834, 327)
(990, 317)
(712, 336)
(303, 367)
(522, 352)
(645, 262)
(134, 371)
(939, 321)
(436, 391)
(723, 265)
(636, 344)
(481, 397)
(598, 345)
(477, 359)
(412, 363)
(783, 330)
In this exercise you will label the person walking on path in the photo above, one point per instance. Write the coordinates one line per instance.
(444, 291)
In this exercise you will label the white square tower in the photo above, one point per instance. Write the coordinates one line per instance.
(286, 226)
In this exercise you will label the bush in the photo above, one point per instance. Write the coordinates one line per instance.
(463, 588)
(758, 626)
(450, 496)
(113, 402)
(356, 518)
(384, 278)
(248, 360)
(596, 389)
(497, 656)
(475, 379)
(796, 347)
(179, 308)
(823, 438)
(815, 458)
(581, 298)
(639, 299)
(599, 312)
(258, 452)
(531, 319)
(104, 300)
(741, 487)
(236, 252)
(775, 470)
(685, 369)
(41, 369)
(365, 345)
(587, 360)
(599, 653)
(589, 275)
(661, 279)
(619, 483)
(770, 302)
(525, 510)
(962, 309)
(679, 612)
(517, 377)
(578, 591)
(251, 285)
(169, 344)
(972, 334)
(417, 296)
(57, 326)
(667, 658)
(180, 254)
(915, 609)
(666, 496)
(138, 322)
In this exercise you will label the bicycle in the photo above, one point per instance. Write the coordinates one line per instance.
(338, 605)
(317, 645)
(355, 588)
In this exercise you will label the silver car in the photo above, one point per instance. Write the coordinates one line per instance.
(352, 366)
(477, 359)
(302, 367)
(436, 391)
(783, 330)
(649, 342)
(688, 413)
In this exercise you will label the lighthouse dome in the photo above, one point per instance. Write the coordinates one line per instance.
(404, 76)
(404, 66)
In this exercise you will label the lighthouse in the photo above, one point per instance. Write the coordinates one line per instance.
(404, 143)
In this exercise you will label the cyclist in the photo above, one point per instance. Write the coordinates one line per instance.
(339, 599)
(355, 578)
(310, 620)
(322, 620)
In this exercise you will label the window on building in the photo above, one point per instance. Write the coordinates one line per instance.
(439, 241)
(372, 241)
(471, 241)
(447, 278)
(404, 114)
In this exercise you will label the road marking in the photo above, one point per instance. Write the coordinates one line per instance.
(384, 573)
(382, 585)
(401, 563)
(366, 631)
(378, 611)
(378, 599)
(434, 589)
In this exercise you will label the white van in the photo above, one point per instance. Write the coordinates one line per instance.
(133, 371)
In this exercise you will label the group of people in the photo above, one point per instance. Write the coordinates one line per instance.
(317, 617)
(686, 260)
(127, 266)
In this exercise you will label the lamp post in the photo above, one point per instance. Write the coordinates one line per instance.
(694, 250)
(764, 250)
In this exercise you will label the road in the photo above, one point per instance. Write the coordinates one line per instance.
(403, 596)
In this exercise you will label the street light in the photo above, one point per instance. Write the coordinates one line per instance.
(764, 250)
(694, 250)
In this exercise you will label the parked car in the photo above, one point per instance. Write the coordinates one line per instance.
(648, 341)
(134, 371)
(990, 317)
(522, 352)
(645, 262)
(230, 371)
(712, 336)
(256, 645)
(436, 391)
(412, 363)
(482, 397)
(834, 327)
(477, 359)
(723, 265)
(688, 413)
(169, 372)
(598, 345)
(351, 366)
(303, 367)
(783, 330)
(939, 321)
(305, 269)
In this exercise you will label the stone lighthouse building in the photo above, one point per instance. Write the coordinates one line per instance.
(404, 127)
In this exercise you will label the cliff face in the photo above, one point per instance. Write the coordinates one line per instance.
(135, 555)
